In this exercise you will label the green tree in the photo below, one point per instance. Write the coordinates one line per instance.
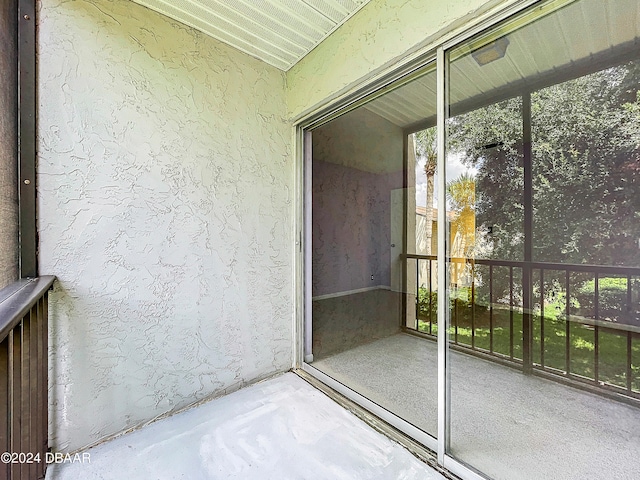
(585, 164)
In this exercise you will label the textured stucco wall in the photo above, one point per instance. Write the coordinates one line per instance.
(165, 207)
(379, 35)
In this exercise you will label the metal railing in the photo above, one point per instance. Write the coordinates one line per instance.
(24, 378)
(566, 324)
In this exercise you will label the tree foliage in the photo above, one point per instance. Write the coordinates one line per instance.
(585, 166)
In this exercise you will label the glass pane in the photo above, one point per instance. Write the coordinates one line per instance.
(373, 308)
(422, 145)
(543, 195)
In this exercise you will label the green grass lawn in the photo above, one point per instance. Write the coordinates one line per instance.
(612, 345)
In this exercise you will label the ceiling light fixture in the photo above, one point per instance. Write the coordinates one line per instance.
(492, 52)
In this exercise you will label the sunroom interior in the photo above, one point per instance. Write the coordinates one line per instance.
(537, 197)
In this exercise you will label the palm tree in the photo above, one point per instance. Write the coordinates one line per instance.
(461, 195)
(426, 148)
(461, 199)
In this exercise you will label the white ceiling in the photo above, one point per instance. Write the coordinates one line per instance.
(552, 47)
(279, 32)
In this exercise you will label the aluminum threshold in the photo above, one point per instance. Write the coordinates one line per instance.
(418, 442)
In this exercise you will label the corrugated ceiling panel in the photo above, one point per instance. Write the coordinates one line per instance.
(389, 112)
(290, 28)
(279, 32)
(330, 9)
(250, 21)
(202, 20)
(409, 104)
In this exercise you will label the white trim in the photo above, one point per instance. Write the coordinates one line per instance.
(547, 6)
(405, 427)
(449, 37)
(299, 267)
(443, 317)
(307, 196)
(351, 292)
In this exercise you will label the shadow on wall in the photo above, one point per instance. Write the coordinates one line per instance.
(164, 209)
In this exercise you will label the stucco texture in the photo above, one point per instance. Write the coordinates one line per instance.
(379, 36)
(165, 210)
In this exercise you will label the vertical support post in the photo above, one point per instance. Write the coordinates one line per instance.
(444, 380)
(15, 391)
(25, 381)
(34, 443)
(5, 415)
(542, 318)
(491, 308)
(9, 264)
(404, 312)
(596, 331)
(27, 137)
(43, 377)
(511, 312)
(417, 294)
(629, 310)
(567, 332)
(629, 372)
(527, 280)
(430, 297)
(473, 305)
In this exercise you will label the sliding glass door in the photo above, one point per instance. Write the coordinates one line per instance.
(368, 206)
(543, 195)
(475, 259)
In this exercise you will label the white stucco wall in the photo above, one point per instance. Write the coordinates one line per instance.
(165, 210)
(380, 35)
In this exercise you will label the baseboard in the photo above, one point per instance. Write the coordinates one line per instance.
(350, 292)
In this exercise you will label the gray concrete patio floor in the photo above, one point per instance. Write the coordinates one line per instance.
(507, 425)
(282, 428)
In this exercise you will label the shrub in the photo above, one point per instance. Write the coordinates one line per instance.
(463, 305)
(612, 298)
(424, 306)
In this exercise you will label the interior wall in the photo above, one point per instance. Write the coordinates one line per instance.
(380, 35)
(165, 210)
(352, 228)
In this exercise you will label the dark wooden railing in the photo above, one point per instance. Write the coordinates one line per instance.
(513, 326)
(24, 379)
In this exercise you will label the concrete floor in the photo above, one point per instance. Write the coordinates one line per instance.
(282, 429)
(505, 424)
